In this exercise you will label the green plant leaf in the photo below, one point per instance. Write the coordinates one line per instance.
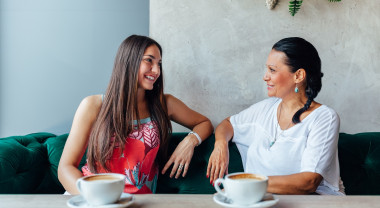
(294, 6)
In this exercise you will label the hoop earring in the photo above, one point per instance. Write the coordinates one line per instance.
(296, 89)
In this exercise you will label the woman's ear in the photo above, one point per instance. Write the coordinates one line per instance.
(300, 76)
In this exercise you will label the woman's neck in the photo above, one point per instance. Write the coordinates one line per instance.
(142, 104)
(140, 96)
(293, 104)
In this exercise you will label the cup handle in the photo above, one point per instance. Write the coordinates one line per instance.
(78, 185)
(217, 188)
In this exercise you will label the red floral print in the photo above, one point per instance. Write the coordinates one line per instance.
(137, 161)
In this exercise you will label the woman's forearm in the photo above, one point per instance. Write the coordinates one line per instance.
(219, 158)
(68, 175)
(204, 129)
(224, 132)
(299, 183)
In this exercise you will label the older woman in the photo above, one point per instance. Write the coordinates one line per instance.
(288, 137)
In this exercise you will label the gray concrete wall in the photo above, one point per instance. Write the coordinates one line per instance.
(55, 53)
(215, 52)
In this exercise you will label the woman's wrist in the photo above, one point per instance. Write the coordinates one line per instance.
(197, 137)
(221, 143)
(192, 140)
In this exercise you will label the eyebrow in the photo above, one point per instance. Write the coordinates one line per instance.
(151, 56)
(271, 65)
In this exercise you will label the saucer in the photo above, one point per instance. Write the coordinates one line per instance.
(268, 201)
(79, 202)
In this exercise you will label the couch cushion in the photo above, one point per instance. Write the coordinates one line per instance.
(359, 157)
(23, 163)
(28, 164)
(54, 147)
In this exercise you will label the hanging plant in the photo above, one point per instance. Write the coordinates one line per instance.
(295, 5)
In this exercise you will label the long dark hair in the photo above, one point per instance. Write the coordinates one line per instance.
(119, 108)
(302, 54)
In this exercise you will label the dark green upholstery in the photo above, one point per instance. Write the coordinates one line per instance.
(359, 157)
(196, 180)
(28, 164)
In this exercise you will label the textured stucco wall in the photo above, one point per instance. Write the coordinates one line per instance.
(215, 52)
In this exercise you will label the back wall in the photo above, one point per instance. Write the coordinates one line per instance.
(55, 53)
(215, 52)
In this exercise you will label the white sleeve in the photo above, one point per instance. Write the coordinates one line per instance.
(241, 123)
(321, 152)
(245, 122)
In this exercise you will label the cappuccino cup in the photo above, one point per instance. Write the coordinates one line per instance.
(101, 189)
(243, 188)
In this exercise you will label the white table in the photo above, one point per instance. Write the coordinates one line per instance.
(193, 200)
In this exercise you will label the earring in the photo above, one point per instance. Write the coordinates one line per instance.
(296, 89)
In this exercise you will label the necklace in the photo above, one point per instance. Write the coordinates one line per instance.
(278, 126)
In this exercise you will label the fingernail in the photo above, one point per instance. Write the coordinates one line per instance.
(207, 176)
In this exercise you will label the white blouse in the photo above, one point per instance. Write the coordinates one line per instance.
(309, 146)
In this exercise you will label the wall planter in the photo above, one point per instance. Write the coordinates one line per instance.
(294, 5)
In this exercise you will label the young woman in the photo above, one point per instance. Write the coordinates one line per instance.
(126, 130)
(289, 137)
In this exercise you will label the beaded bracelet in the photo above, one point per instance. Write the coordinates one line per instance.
(198, 137)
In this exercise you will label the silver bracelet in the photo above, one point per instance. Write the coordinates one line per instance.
(198, 137)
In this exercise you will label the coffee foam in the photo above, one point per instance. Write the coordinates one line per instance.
(246, 176)
(101, 177)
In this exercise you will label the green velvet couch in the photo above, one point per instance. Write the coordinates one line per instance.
(28, 165)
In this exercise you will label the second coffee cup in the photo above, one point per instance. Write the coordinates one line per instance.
(243, 188)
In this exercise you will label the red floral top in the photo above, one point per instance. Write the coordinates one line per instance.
(137, 161)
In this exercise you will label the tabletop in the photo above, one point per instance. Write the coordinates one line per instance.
(193, 200)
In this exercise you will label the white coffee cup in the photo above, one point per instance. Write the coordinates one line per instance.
(101, 189)
(243, 188)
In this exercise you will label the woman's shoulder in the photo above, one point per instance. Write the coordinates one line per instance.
(326, 110)
(325, 114)
(169, 97)
(91, 103)
(86, 114)
(93, 100)
(256, 112)
(171, 100)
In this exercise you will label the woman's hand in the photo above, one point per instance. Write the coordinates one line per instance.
(218, 162)
(181, 157)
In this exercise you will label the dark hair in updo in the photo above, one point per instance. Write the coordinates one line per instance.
(302, 54)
